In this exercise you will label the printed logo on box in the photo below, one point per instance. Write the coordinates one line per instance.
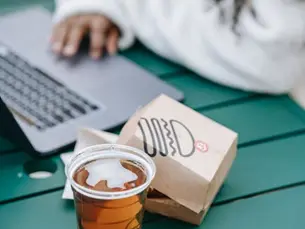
(201, 146)
(165, 136)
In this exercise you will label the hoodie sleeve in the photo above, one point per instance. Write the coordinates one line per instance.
(265, 54)
(109, 8)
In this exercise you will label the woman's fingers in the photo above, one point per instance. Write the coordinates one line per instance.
(112, 41)
(97, 42)
(59, 37)
(67, 35)
(75, 36)
(99, 27)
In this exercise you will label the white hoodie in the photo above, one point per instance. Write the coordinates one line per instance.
(267, 57)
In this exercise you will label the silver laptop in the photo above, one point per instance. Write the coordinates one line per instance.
(50, 98)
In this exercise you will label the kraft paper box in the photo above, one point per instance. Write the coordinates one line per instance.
(193, 155)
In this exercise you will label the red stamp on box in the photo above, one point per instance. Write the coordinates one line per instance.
(201, 146)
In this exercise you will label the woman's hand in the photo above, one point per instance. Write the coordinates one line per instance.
(67, 35)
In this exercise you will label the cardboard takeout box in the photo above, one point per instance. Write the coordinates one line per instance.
(193, 155)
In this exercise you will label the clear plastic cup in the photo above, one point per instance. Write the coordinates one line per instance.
(110, 184)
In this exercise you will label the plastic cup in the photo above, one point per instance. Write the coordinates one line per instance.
(101, 199)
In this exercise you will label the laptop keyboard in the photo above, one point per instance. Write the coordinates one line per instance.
(36, 97)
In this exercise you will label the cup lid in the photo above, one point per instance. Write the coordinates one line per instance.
(110, 151)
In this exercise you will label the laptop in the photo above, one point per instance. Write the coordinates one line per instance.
(45, 99)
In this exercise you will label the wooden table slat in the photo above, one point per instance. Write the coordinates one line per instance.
(281, 210)
(264, 167)
(150, 61)
(16, 181)
(201, 93)
(260, 119)
(46, 211)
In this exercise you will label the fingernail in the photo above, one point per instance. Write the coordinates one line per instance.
(95, 55)
(56, 47)
(112, 52)
(69, 50)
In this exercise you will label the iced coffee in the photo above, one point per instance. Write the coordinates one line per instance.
(110, 184)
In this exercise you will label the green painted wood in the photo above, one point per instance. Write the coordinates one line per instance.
(14, 176)
(46, 211)
(281, 210)
(150, 61)
(260, 119)
(264, 167)
(8, 6)
(5, 145)
(201, 93)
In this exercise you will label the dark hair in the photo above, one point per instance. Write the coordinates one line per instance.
(238, 5)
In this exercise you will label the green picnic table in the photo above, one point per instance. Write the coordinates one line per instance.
(265, 188)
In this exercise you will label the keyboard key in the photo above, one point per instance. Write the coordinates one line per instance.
(35, 96)
(80, 109)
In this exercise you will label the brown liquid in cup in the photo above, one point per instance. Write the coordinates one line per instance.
(126, 213)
